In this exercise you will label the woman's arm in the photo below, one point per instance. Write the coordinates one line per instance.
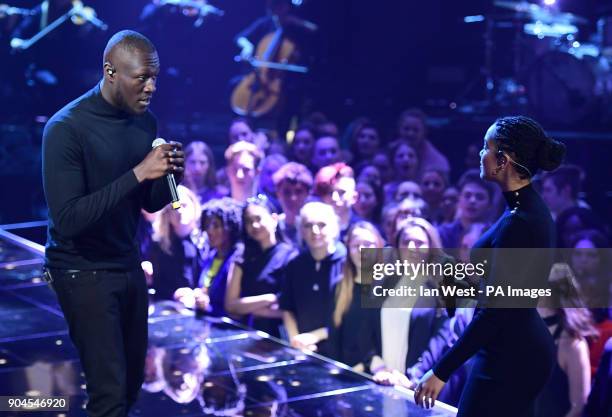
(484, 327)
(577, 366)
(290, 324)
(271, 312)
(309, 340)
(234, 304)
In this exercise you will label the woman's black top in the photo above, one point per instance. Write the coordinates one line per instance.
(180, 268)
(263, 272)
(358, 338)
(513, 347)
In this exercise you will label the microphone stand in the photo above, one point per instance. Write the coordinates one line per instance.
(203, 9)
(76, 10)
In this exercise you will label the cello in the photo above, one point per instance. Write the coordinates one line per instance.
(259, 92)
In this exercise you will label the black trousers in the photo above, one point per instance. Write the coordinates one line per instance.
(106, 312)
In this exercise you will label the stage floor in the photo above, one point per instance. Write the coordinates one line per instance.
(196, 366)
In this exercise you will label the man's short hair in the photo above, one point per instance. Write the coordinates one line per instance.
(294, 173)
(329, 175)
(129, 40)
(566, 176)
(472, 176)
(243, 146)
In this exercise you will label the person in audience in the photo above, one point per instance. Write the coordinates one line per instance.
(243, 160)
(412, 127)
(269, 166)
(471, 160)
(221, 222)
(328, 128)
(369, 202)
(293, 183)
(174, 253)
(307, 298)
(408, 208)
(388, 215)
(335, 185)
(354, 333)
(561, 187)
(413, 325)
(302, 145)
(277, 147)
(408, 189)
(369, 173)
(590, 260)
(433, 184)
(475, 203)
(200, 172)
(574, 220)
(240, 130)
(384, 164)
(599, 403)
(448, 207)
(365, 142)
(326, 152)
(256, 276)
(571, 325)
(405, 167)
(602, 317)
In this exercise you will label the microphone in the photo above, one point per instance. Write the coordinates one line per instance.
(176, 204)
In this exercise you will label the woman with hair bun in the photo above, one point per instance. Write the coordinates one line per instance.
(512, 348)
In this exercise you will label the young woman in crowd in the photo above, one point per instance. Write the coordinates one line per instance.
(302, 145)
(221, 222)
(571, 325)
(405, 164)
(354, 334)
(413, 325)
(256, 276)
(433, 184)
(200, 172)
(369, 202)
(174, 253)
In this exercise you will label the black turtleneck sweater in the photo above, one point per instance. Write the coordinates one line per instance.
(89, 151)
(512, 346)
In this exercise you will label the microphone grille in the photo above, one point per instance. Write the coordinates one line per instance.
(157, 142)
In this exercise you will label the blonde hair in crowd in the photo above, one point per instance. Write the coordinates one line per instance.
(162, 228)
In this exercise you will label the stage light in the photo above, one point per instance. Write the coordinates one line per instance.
(550, 2)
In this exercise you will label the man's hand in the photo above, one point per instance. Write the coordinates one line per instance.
(168, 158)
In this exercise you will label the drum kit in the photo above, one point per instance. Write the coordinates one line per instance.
(555, 74)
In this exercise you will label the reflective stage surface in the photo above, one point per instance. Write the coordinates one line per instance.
(196, 366)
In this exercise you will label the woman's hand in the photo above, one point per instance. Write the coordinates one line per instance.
(185, 296)
(305, 341)
(202, 300)
(428, 389)
(394, 377)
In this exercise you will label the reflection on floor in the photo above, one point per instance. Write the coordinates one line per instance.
(195, 366)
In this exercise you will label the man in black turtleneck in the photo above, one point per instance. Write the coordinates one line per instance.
(98, 172)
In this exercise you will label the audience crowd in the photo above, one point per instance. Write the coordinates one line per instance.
(273, 239)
